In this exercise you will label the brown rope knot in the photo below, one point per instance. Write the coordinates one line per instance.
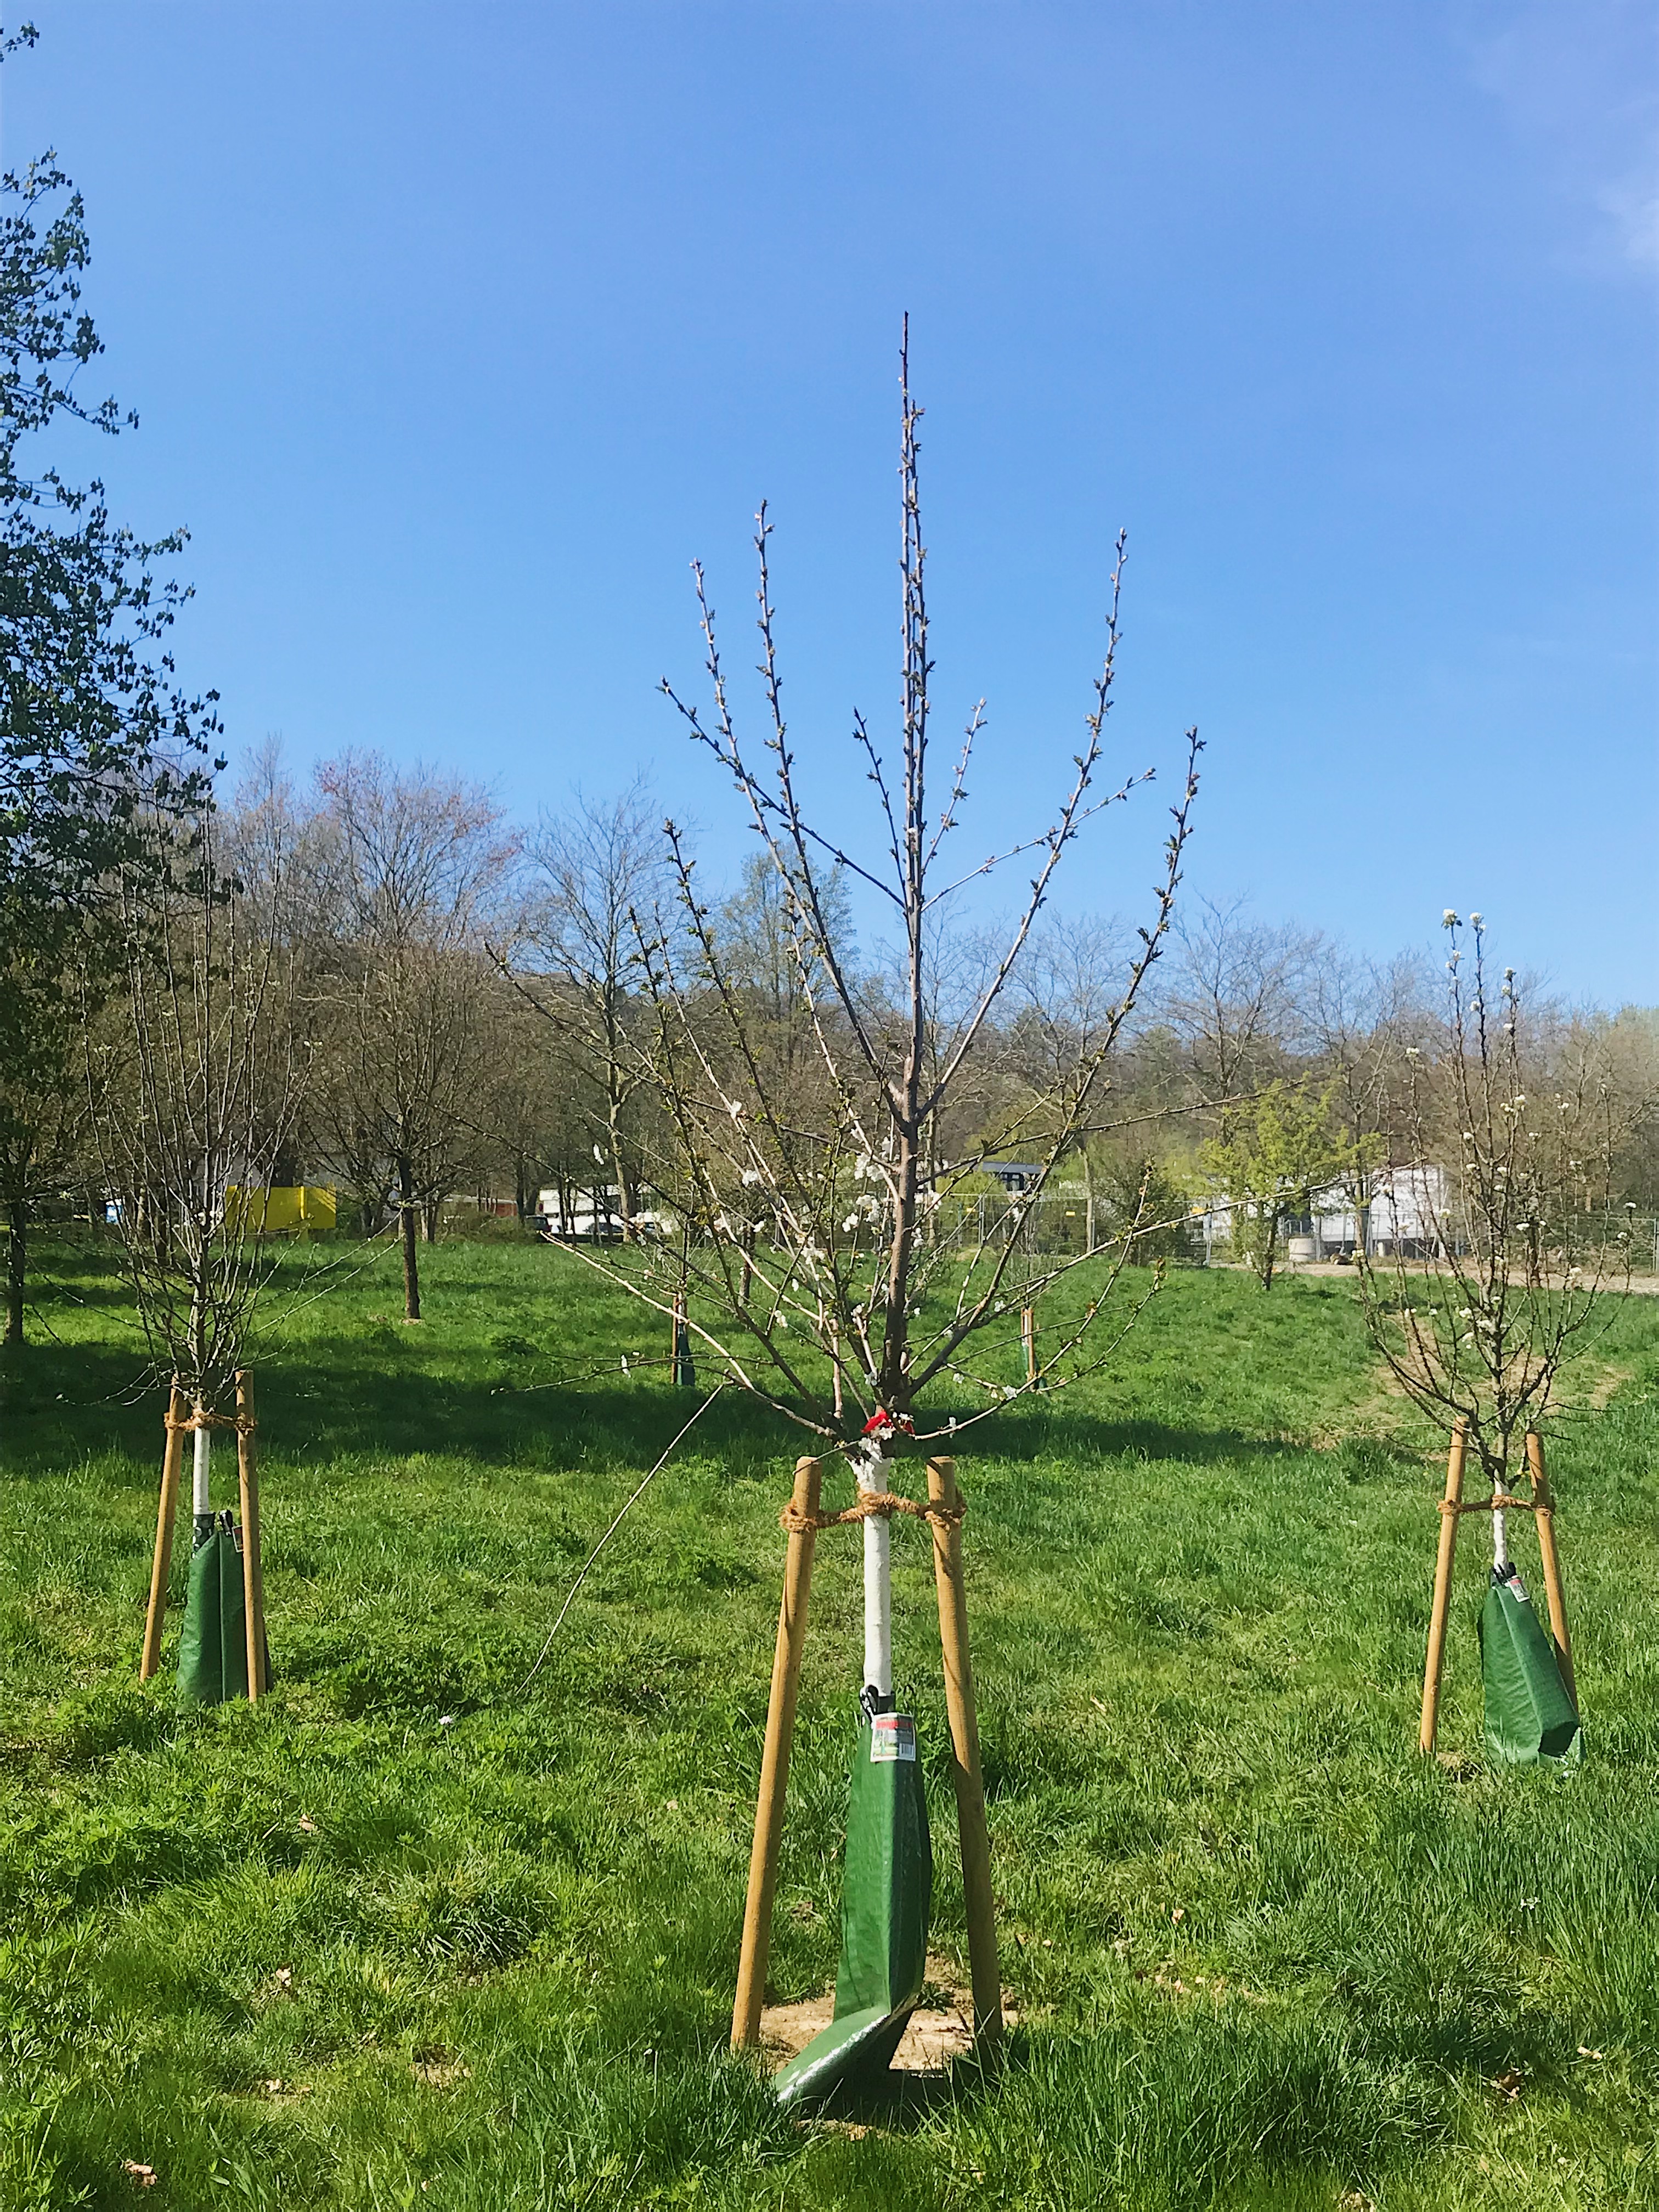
(243, 1424)
(870, 1504)
(1499, 1502)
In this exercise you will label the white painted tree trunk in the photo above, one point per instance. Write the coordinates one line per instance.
(878, 1580)
(200, 1501)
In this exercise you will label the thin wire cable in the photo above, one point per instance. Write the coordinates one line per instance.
(333, 1280)
(629, 1365)
(570, 1597)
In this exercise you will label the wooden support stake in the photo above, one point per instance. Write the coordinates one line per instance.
(167, 1514)
(774, 1763)
(1027, 1333)
(1443, 1583)
(253, 1580)
(1544, 1514)
(985, 1969)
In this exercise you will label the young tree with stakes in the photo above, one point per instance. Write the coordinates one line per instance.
(843, 1166)
(1512, 1151)
(200, 1103)
(1529, 1237)
(802, 1182)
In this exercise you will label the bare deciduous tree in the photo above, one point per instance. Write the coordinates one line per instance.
(578, 960)
(1361, 1017)
(410, 869)
(1527, 1236)
(1067, 992)
(842, 1313)
(1236, 997)
(202, 1100)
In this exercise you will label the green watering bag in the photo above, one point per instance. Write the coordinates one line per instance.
(213, 1646)
(1529, 1716)
(885, 1901)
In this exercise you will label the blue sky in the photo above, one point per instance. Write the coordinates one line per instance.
(456, 332)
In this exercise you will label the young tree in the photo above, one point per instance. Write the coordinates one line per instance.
(1141, 1202)
(846, 1288)
(579, 963)
(194, 1091)
(1529, 1235)
(1360, 1018)
(1270, 1158)
(411, 871)
(1067, 993)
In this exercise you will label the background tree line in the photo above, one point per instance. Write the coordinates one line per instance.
(376, 980)
(457, 1020)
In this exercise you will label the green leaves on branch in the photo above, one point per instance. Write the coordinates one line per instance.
(93, 725)
(1273, 1156)
(102, 754)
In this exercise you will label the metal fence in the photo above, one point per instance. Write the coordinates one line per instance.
(1060, 1222)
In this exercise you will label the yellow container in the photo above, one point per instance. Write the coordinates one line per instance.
(282, 1210)
(317, 1206)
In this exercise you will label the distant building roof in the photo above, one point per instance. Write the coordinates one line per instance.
(1014, 1175)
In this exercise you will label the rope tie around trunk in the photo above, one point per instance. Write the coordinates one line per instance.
(244, 1425)
(883, 1504)
(1499, 1502)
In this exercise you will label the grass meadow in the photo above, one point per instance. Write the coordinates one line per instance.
(414, 1934)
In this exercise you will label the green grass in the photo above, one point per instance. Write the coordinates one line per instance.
(335, 1953)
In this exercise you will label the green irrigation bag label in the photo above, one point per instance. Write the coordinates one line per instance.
(892, 1736)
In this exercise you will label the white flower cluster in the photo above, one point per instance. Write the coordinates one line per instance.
(866, 1207)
